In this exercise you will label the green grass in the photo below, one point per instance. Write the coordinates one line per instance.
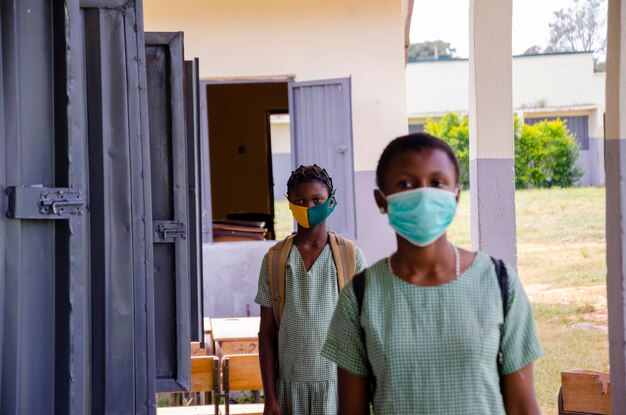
(283, 222)
(561, 261)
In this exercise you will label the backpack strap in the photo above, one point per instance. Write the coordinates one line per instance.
(358, 285)
(503, 282)
(277, 264)
(344, 255)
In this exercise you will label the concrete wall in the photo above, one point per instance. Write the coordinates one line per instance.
(321, 39)
(231, 275)
(538, 81)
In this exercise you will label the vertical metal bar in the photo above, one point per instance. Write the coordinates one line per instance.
(199, 186)
(181, 210)
(145, 389)
(615, 162)
(195, 221)
(205, 166)
(71, 339)
(79, 339)
(2, 207)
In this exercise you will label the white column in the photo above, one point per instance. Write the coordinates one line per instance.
(492, 150)
(615, 167)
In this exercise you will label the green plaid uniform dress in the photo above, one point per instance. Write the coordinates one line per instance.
(307, 382)
(433, 350)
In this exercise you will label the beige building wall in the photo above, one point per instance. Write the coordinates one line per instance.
(560, 80)
(311, 40)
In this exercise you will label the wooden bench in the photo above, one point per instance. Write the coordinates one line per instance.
(241, 372)
(585, 392)
(204, 378)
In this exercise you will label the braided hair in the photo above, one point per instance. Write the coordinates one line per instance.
(309, 174)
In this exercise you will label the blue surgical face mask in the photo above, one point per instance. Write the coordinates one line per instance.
(421, 216)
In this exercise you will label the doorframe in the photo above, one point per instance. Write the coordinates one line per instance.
(205, 159)
(268, 138)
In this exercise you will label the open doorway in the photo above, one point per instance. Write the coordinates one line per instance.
(279, 133)
(255, 133)
(241, 120)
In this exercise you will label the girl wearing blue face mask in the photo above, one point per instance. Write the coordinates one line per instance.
(424, 330)
(311, 267)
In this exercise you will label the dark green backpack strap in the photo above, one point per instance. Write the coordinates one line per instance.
(358, 285)
(503, 282)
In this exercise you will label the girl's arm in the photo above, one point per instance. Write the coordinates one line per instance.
(353, 394)
(268, 357)
(519, 392)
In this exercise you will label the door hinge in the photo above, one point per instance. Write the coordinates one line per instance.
(169, 231)
(37, 202)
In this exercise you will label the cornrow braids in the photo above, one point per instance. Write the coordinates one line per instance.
(308, 174)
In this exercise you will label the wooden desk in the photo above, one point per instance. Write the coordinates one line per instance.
(235, 335)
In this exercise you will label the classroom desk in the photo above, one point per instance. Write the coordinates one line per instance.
(235, 335)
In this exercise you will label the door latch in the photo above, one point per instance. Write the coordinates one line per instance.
(169, 231)
(37, 202)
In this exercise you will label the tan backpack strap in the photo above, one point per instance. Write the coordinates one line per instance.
(277, 265)
(344, 255)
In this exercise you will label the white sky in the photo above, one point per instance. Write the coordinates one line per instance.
(448, 20)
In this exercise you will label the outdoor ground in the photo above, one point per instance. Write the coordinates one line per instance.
(561, 259)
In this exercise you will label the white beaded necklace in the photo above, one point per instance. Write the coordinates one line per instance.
(457, 259)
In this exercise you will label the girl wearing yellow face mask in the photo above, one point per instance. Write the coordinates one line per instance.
(294, 320)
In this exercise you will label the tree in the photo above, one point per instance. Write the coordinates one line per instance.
(533, 50)
(581, 28)
(431, 49)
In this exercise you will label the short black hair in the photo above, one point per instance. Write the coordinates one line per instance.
(415, 142)
(309, 174)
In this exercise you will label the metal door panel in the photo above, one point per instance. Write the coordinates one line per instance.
(321, 131)
(168, 152)
(121, 240)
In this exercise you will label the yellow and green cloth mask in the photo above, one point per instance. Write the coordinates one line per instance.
(313, 216)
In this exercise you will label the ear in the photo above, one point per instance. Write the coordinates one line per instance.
(457, 194)
(381, 202)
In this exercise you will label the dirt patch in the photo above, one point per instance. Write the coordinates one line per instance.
(589, 300)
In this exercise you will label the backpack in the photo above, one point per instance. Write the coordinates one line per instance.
(344, 256)
(358, 285)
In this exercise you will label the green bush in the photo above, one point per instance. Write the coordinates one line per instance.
(454, 129)
(546, 154)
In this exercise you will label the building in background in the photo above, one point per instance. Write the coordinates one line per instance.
(545, 86)
(285, 83)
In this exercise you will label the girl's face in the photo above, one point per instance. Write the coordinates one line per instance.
(429, 167)
(309, 194)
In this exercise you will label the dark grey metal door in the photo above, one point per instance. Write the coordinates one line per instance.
(122, 353)
(321, 133)
(76, 251)
(170, 210)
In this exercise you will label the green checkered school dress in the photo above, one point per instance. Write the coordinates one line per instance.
(307, 382)
(433, 350)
